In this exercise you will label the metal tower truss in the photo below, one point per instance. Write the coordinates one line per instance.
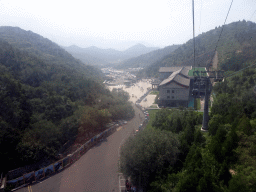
(201, 86)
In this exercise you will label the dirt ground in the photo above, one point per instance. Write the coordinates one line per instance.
(137, 90)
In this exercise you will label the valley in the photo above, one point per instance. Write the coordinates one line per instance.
(55, 97)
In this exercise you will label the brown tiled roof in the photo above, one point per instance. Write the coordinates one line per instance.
(178, 77)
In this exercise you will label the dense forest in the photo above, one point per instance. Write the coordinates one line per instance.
(238, 41)
(48, 98)
(175, 155)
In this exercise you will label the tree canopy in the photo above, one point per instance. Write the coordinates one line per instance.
(222, 159)
(48, 98)
(147, 155)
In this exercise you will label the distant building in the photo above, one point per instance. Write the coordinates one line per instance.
(127, 83)
(174, 89)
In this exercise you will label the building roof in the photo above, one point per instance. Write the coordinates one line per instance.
(168, 69)
(184, 71)
(172, 69)
(178, 77)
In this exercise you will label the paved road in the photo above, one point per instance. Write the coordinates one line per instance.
(96, 170)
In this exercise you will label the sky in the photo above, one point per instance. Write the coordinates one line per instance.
(119, 24)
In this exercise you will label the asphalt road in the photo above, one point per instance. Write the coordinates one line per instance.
(96, 170)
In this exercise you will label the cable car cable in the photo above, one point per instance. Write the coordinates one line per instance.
(221, 31)
(239, 70)
(194, 33)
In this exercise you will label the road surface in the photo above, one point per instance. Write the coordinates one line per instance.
(96, 170)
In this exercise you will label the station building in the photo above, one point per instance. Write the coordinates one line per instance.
(174, 86)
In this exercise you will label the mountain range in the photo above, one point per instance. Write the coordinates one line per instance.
(97, 56)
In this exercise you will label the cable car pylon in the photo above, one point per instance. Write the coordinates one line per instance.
(202, 86)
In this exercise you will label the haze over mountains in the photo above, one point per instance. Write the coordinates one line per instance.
(147, 58)
(97, 56)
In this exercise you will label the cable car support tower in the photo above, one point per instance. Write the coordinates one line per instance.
(202, 81)
(202, 86)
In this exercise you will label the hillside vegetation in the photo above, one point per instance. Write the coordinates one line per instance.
(175, 155)
(48, 98)
(222, 159)
(236, 45)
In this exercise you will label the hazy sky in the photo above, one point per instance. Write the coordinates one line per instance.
(116, 23)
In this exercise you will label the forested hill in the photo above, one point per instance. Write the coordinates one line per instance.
(236, 45)
(40, 48)
(48, 98)
(148, 58)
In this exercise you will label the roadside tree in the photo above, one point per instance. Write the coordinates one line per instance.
(148, 155)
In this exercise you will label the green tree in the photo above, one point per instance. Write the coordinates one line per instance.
(245, 126)
(147, 155)
(221, 105)
(214, 123)
(238, 183)
(217, 141)
(189, 179)
(251, 81)
(160, 121)
(199, 138)
(40, 142)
